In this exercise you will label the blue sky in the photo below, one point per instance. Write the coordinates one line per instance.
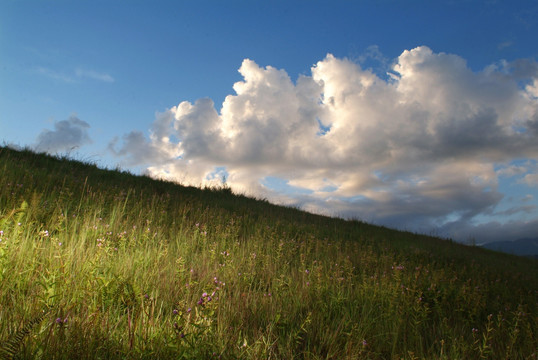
(421, 115)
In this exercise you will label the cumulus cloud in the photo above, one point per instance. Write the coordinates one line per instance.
(67, 135)
(418, 149)
(158, 150)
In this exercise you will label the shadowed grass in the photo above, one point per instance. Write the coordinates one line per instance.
(138, 268)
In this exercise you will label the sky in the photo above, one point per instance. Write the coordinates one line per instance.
(416, 115)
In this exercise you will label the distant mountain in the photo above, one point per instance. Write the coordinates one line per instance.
(521, 247)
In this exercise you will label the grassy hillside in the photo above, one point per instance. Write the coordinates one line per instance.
(104, 264)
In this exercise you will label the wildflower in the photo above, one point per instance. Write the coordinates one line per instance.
(204, 295)
(59, 321)
(175, 312)
(364, 343)
(189, 310)
(306, 271)
(201, 301)
(474, 330)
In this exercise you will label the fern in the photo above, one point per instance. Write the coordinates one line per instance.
(126, 295)
(122, 294)
(21, 212)
(10, 348)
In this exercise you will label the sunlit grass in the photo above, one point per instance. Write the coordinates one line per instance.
(104, 264)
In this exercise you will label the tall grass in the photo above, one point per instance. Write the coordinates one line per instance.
(104, 264)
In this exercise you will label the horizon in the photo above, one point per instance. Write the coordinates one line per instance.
(379, 111)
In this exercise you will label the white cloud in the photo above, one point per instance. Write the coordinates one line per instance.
(511, 170)
(417, 150)
(94, 75)
(158, 150)
(67, 135)
(78, 74)
(503, 45)
(55, 74)
(530, 179)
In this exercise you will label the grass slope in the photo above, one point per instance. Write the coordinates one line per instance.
(104, 264)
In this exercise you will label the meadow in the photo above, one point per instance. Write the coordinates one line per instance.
(103, 264)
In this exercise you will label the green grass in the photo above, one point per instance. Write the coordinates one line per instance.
(98, 264)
